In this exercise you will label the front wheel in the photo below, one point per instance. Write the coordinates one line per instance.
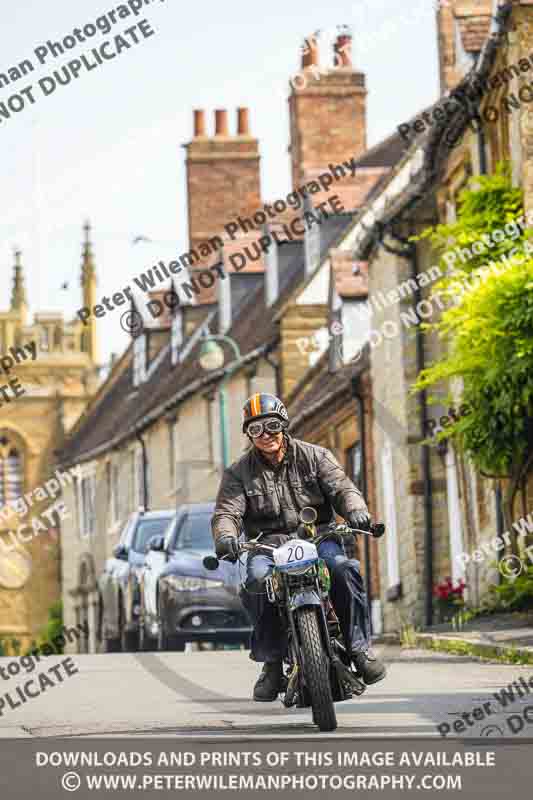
(316, 670)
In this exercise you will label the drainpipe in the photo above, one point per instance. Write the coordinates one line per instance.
(145, 470)
(362, 438)
(409, 252)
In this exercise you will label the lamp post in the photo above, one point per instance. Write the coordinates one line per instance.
(212, 357)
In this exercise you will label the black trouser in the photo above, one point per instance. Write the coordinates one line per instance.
(347, 596)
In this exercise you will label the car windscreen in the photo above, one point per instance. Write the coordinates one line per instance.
(146, 529)
(194, 533)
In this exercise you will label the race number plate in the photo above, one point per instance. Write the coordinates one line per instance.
(295, 554)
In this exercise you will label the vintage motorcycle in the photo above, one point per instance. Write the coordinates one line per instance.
(318, 669)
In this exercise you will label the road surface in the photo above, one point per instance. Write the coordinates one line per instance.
(209, 694)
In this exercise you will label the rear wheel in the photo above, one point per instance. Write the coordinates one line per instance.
(316, 670)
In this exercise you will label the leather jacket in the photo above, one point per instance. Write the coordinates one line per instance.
(256, 496)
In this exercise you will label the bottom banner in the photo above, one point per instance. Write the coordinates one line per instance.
(202, 768)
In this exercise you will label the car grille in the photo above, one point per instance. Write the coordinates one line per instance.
(213, 619)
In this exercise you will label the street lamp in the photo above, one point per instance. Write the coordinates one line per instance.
(212, 357)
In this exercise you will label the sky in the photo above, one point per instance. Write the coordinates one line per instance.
(108, 146)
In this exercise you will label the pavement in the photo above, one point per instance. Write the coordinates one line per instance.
(208, 694)
(488, 636)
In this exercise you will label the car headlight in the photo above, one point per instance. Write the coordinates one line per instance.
(182, 584)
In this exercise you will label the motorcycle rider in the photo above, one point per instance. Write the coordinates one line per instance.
(263, 492)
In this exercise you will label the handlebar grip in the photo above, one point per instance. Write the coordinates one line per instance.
(377, 530)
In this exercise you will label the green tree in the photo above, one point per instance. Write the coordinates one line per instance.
(488, 329)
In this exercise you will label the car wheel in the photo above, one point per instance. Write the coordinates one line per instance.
(128, 641)
(112, 645)
(175, 644)
(146, 643)
(162, 639)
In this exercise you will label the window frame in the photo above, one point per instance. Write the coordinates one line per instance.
(86, 502)
(13, 444)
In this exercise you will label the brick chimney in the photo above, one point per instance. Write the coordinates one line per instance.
(222, 175)
(462, 27)
(328, 114)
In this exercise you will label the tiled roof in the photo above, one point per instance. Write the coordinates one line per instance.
(384, 154)
(325, 386)
(121, 408)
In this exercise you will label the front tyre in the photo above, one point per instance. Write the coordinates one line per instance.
(316, 670)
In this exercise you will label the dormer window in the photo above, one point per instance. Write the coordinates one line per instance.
(139, 359)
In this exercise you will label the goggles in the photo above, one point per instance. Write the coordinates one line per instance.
(270, 426)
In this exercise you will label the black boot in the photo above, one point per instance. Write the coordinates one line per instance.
(370, 668)
(268, 685)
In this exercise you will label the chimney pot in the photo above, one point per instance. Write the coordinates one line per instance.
(310, 51)
(221, 122)
(199, 122)
(343, 50)
(243, 122)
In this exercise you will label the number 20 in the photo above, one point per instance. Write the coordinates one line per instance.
(296, 553)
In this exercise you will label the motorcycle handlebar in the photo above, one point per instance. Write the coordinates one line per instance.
(377, 530)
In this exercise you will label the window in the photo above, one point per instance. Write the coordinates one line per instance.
(454, 516)
(125, 478)
(193, 533)
(148, 528)
(112, 475)
(355, 465)
(139, 359)
(174, 455)
(356, 315)
(11, 471)
(87, 504)
(44, 339)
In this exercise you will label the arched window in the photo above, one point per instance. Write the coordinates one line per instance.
(11, 470)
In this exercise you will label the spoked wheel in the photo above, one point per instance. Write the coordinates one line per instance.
(316, 670)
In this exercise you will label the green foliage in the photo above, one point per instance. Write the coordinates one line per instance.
(514, 594)
(52, 630)
(466, 615)
(488, 330)
(408, 636)
(487, 203)
(15, 646)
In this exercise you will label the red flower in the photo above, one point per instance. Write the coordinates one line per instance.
(446, 590)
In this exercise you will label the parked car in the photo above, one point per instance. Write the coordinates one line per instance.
(183, 602)
(118, 585)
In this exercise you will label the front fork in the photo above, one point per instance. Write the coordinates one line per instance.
(343, 680)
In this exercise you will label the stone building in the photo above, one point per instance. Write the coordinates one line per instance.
(151, 436)
(49, 371)
(434, 504)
